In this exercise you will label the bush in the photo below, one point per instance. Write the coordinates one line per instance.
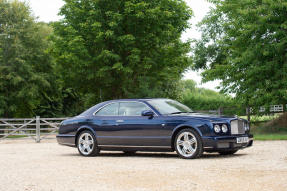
(200, 99)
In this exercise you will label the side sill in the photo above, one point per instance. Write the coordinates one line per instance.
(167, 147)
(136, 148)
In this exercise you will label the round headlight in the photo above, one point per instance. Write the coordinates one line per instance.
(217, 128)
(224, 128)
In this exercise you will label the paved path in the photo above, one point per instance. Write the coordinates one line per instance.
(25, 165)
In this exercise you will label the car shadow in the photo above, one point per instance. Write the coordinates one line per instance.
(216, 155)
(140, 155)
(205, 156)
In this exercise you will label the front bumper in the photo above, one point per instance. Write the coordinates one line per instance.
(225, 143)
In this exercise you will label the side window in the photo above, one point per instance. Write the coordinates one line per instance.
(132, 108)
(109, 110)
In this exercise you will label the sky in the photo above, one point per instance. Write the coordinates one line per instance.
(47, 10)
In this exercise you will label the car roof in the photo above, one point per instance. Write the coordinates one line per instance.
(139, 99)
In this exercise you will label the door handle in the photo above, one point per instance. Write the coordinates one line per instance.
(120, 121)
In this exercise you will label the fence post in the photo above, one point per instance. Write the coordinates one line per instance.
(38, 139)
(220, 111)
(248, 113)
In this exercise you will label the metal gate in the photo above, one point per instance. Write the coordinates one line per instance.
(36, 128)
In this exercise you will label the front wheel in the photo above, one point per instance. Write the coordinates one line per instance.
(188, 144)
(87, 145)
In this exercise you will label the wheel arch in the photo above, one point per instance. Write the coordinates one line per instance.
(181, 127)
(81, 129)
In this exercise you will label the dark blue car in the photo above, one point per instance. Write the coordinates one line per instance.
(162, 125)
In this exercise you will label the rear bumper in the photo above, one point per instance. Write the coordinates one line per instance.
(68, 140)
(225, 143)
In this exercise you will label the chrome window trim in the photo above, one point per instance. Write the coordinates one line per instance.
(94, 114)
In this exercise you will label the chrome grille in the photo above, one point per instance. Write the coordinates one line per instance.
(237, 127)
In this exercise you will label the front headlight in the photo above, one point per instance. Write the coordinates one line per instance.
(224, 128)
(217, 128)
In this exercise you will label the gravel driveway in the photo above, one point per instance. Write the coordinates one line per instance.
(25, 165)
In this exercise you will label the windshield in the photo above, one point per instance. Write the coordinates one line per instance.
(167, 106)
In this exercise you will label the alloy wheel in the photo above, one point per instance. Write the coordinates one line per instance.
(86, 143)
(186, 144)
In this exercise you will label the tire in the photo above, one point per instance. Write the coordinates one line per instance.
(189, 147)
(227, 152)
(87, 144)
(129, 152)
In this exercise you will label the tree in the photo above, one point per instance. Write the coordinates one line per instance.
(189, 85)
(27, 83)
(119, 49)
(244, 44)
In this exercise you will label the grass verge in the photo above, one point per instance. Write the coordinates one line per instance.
(266, 137)
(16, 136)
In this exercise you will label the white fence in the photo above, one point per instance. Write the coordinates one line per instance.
(36, 128)
(272, 109)
(277, 108)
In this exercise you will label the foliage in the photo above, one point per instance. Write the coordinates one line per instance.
(122, 49)
(263, 118)
(204, 99)
(101, 50)
(244, 44)
(27, 83)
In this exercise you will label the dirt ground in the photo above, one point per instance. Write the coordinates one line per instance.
(26, 165)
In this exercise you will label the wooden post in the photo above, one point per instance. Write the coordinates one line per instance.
(248, 113)
(220, 111)
(2, 131)
(38, 139)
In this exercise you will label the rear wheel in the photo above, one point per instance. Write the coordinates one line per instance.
(87, 145)
(188, 144)
(228, 152)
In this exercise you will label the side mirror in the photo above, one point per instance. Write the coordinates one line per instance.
(148, 113)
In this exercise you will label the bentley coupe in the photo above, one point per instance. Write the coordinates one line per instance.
(157, 125)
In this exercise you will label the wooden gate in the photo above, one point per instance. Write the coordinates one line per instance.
(36, 128)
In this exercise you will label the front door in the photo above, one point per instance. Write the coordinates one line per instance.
(127, 127)
(138, 130)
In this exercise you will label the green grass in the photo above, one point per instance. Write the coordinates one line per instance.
(16, 136)
(269, 133)
(263, 130)
(265, 137)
